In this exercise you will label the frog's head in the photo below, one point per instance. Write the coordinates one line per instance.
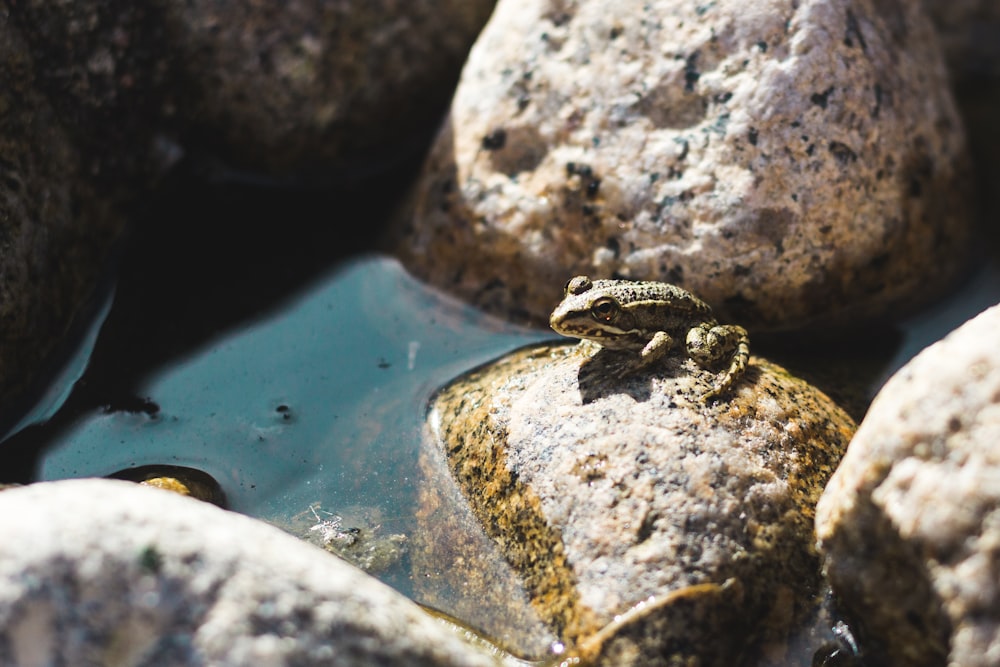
(589, 310)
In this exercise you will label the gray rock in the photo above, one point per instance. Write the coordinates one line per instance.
(797, 164)
(909, 526)
(56, 229)
(110, 572)
(625, 519)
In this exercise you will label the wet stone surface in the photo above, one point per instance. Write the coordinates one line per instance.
(179, 479)
(590, 497)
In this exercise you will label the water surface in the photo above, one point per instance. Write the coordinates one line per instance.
(319, 403)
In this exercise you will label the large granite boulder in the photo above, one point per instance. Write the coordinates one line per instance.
(793, 163)
(626, 521)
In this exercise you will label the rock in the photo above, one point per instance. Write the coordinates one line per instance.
(113, 572)
(56, 229)
(625, 520)
(795, 164)
(104, 68)
(908, 525)
(299, 86)
(353, 533)
(969, 32)
(179, 479)
(288, 89)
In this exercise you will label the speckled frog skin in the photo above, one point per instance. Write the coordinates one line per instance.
(649, 317)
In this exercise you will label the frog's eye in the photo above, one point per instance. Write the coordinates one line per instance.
(604, 309)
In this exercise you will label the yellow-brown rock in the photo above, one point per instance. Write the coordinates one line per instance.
(625, 520)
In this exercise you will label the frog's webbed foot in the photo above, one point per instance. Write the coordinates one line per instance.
(708, 344)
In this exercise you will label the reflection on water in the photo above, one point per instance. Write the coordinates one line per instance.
(321, 403)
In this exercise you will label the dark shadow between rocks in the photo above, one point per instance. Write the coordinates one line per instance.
(203, 258)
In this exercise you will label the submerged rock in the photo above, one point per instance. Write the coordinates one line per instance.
(355, 534)
(908, 525)
(135, 575)
(626, 521)
(179, 479)
(793, 164)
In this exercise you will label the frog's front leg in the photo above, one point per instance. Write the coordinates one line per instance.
(658, 345)
(655, 349)
(707, 344)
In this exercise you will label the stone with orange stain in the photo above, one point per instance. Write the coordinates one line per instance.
(567, 498)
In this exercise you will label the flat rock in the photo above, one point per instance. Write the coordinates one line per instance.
(792, 163)
(909, 526)
(625, 521)
(110, 572)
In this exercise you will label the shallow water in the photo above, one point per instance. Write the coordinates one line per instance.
(320, 403)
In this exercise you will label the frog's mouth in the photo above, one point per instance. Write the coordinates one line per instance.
(601, 332)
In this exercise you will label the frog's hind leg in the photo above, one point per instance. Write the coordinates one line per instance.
(708, 344)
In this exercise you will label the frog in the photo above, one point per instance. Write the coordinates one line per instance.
(650, 318)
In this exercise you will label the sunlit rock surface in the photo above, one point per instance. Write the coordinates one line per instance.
(909, 526)
(101, 571)
(564, 498)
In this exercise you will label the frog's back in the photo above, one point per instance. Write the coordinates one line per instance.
(652, 296)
